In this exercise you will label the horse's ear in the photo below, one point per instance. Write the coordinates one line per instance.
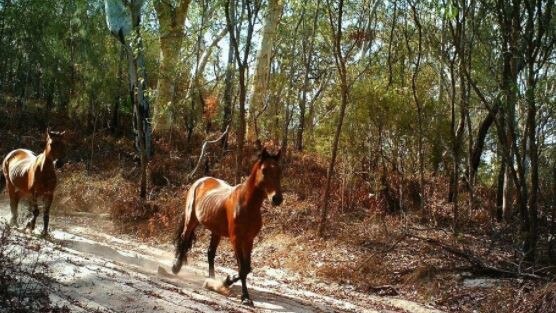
(264, 154)
(48, 132)
(258, 145)
(278, 154)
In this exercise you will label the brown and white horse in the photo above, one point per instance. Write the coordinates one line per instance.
(33, 175)
(233, 212)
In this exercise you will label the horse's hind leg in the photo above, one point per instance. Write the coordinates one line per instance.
(14, 201)
(211, 253)
(184, 242)
(34, 213)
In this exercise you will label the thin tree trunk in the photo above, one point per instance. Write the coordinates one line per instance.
(390, 40)
(122, 19)
(242, 63)
(344, 90)
(500, 192)
(115, 123)
(308, 60)
(478, 145)
(419, 107)
(228, 90)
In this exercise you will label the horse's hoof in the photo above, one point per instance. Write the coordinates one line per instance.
(247, 302)
(13, 223)
(217, 286)
(45, 234)
(228, 281)
(176, 269)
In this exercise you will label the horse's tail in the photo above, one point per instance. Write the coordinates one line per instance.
(2, 181)
(179, 231)
(2, 175)
(182, 243)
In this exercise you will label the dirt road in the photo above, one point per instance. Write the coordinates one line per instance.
(94, 271)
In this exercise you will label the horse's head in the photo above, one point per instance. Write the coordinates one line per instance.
(268, 176)
(56, 146)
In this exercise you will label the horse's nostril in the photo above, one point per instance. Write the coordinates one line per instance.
(277, 199)
(59, 163)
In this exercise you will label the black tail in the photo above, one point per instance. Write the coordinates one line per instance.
(178, 240)
(182, 245)
(2, 178)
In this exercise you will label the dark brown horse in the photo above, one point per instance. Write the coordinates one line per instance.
(33, 175)
(233, 212)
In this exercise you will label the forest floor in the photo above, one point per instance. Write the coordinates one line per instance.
(107, 245)
(93, 269)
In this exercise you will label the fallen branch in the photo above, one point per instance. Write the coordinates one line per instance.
(205, 143)
(385, 290)
(479, 266)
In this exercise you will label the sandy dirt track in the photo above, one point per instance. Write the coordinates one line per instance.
(95, 271)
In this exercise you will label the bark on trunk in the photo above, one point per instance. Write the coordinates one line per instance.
(171, 20)
(262, 70)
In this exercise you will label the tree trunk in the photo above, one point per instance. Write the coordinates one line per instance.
(242, 62)
(534, 171)
(419, 107)
(171, 20)
(115, 119)
(344, 90)
(262, 70)
(330, 172)
(135, 90)
(500, 192)
(122, 19)
(287, 108)
(228, 94)
(308, 60)
(241, 127)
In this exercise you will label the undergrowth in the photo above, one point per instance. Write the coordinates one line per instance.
(371, 243)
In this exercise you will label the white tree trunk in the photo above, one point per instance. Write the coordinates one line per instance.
(262, 72)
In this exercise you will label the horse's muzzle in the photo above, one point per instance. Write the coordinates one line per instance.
(277, 199)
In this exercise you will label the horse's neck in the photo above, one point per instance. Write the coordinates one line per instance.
(47, 152)
(45, 159)
(251, 196)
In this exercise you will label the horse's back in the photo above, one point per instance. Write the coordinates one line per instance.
(16, 167)
(211, 197)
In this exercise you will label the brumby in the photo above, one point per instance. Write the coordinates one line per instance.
(233, 212)
(33, 175)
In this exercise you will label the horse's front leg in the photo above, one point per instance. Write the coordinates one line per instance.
(34, 213)
(46, 214)
(243, 250)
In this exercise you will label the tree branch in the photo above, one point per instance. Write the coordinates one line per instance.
(203, 151)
